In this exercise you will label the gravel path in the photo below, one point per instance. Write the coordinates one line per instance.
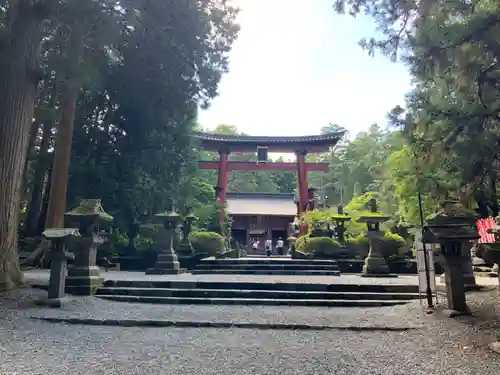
(41, 348)
(436, 347)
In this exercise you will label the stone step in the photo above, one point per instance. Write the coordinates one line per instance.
(252, 301)
(249, 285)
(264, 272)
(254, 294)
(270, 261)
(268, 266)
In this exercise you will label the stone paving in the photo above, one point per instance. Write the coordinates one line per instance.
(42, 276)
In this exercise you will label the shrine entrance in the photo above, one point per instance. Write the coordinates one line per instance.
(262, 146)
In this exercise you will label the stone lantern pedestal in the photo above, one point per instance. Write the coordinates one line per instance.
(58, 264)
(444, 228)
(185, 249)
(84, 277)
(167, 262)
(375, 264)
(341, 220)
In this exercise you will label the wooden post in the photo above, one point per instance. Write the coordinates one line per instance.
(222, 183)
(302, 180)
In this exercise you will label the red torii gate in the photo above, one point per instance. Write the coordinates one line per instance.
(301, 146)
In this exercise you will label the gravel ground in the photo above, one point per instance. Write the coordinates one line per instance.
(40, 348)
(437, 346)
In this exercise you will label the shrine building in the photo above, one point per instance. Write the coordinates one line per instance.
(260, 216)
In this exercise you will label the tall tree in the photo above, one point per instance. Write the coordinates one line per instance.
(22, 24)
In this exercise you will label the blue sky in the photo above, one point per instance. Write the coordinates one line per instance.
(297, 66)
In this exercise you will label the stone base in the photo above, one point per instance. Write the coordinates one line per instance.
(375, 266)
(83, 285)
(52, 302)
(185, 250)
(495, 346)
(386, 275)
(450, 313)
(158, 271)
(469, 283)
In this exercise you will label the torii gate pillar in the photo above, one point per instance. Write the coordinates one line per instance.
(221, 188)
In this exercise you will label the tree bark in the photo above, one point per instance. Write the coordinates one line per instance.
(18, 83)
(42, 218)
(35, 206)
(493, 193)
(64, 137)
(31, 154)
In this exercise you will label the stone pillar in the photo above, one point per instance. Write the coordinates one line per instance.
(454, 277)
(84, 277)
(58, 268)
(468, 272)
(375, 264)
(58, 265)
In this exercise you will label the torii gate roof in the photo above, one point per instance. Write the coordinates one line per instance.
(247, 143)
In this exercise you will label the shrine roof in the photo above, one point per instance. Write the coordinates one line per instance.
(261, 204)
(313, 143)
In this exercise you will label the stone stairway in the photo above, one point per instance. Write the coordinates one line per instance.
(257, 293)
(268, 266)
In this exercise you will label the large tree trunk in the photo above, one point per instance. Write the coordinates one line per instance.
(42, 218)
(18, 83)
(35, 206)
(64, 138)
(493, 193)
(30, 157)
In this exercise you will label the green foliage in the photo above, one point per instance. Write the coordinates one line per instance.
(394, 238)
(356, 208)
(358, 240)
(321, 246)
(209, 243)
(209, 218)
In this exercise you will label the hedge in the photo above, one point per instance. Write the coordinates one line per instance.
(320, 246)
(210, 243)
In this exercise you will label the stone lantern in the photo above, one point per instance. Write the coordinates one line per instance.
(59, 238)
(375, 264)
(84, 277)
(457, 214)
(185, 249)
(167, 262)
(448, 228)
(340, 220)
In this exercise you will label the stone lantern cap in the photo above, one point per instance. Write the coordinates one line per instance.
(90, 208)
(452, 222)
(170, 216)
(451, 212)
(60, 233)
(448, 233)
(191, 218)
(372, 218)
(337, 217)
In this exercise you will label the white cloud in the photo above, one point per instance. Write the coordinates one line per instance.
(296, 67)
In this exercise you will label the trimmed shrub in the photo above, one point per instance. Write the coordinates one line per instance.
(321, 247)
(210, 243)
(392, 246)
